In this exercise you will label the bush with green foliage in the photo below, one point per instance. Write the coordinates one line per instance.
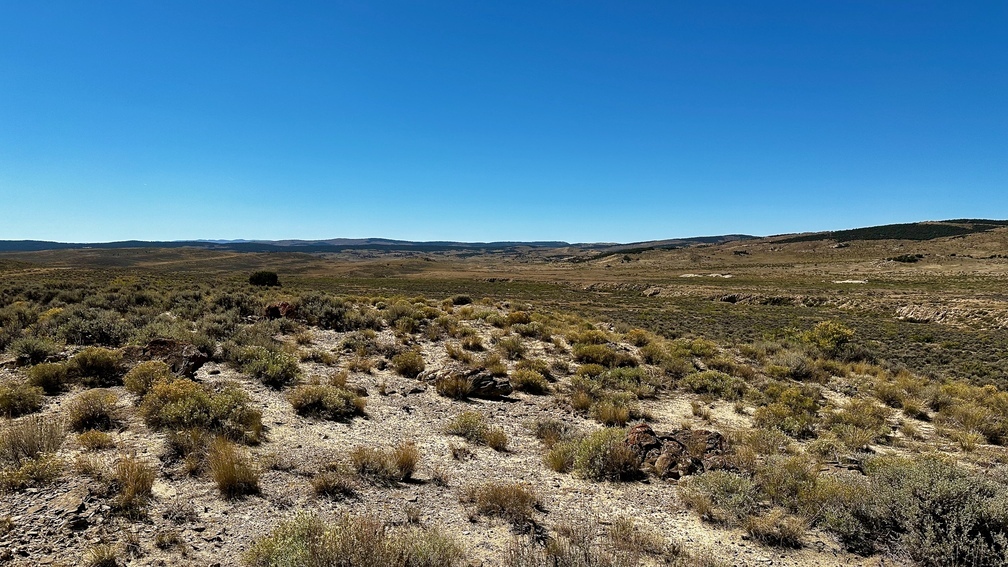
(326, 401)
(183, 404)
(264, 278)
(409, 363)
(97, 367)
(830, 337)
(715, 383)
(311, 541)
(529, 381)
(80, 325)
(31, 350)
(18, 398)
(52, 377)
(603, 455)
(721, 496)
(140, 378)
(603, 355)
(273, 368)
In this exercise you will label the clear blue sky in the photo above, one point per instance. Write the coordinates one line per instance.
(473, 120)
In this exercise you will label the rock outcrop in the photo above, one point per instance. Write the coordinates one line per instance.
(482, 384)
(679, 454)
(183, 358)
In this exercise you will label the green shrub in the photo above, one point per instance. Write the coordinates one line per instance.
(409, 364)
(720, 496)
(97, 367)
(715, 383)
(860, 422)
(51, 377)
(587, 337)
(603, 455)
(273, 368)
(549, 430)
(562, 455)
(830, 337)
(88, 326)
(310, 541)
(613, 410)
(512, 347)
(470, 425)
(794, 366)
(326, 402)
(264, 278)
(941, 513)
(529, 381)
(603, 355)
(183, 404)
(140, 378)
(32, 350)
(20, 398)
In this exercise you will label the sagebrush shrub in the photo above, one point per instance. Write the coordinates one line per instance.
(326, 401)
(310, 541)
(409, 364)
(603, 455)
(18, 398)
(184, 404)
(140, 378)
(53, 378)
(97, 367)
(32, 350)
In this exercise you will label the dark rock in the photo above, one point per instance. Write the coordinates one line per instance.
(183, 358)
(682, 453)
(485, 385)
(482, 384)
(280, 309)
(77, 523)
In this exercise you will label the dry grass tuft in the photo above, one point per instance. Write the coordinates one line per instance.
(231, 470)
(513, 502)
(135, 478)
(383, 466)
(94, 440)
(93, 409)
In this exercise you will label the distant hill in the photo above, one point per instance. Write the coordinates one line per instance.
(908, 231)
(308, 246)
(375, 244)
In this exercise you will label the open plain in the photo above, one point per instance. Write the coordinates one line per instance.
(749, 401)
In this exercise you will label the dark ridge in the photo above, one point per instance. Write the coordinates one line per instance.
(905, 231)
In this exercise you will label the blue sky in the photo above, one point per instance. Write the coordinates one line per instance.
(478, 121)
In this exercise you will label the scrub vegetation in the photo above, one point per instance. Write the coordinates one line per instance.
(435, 420)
